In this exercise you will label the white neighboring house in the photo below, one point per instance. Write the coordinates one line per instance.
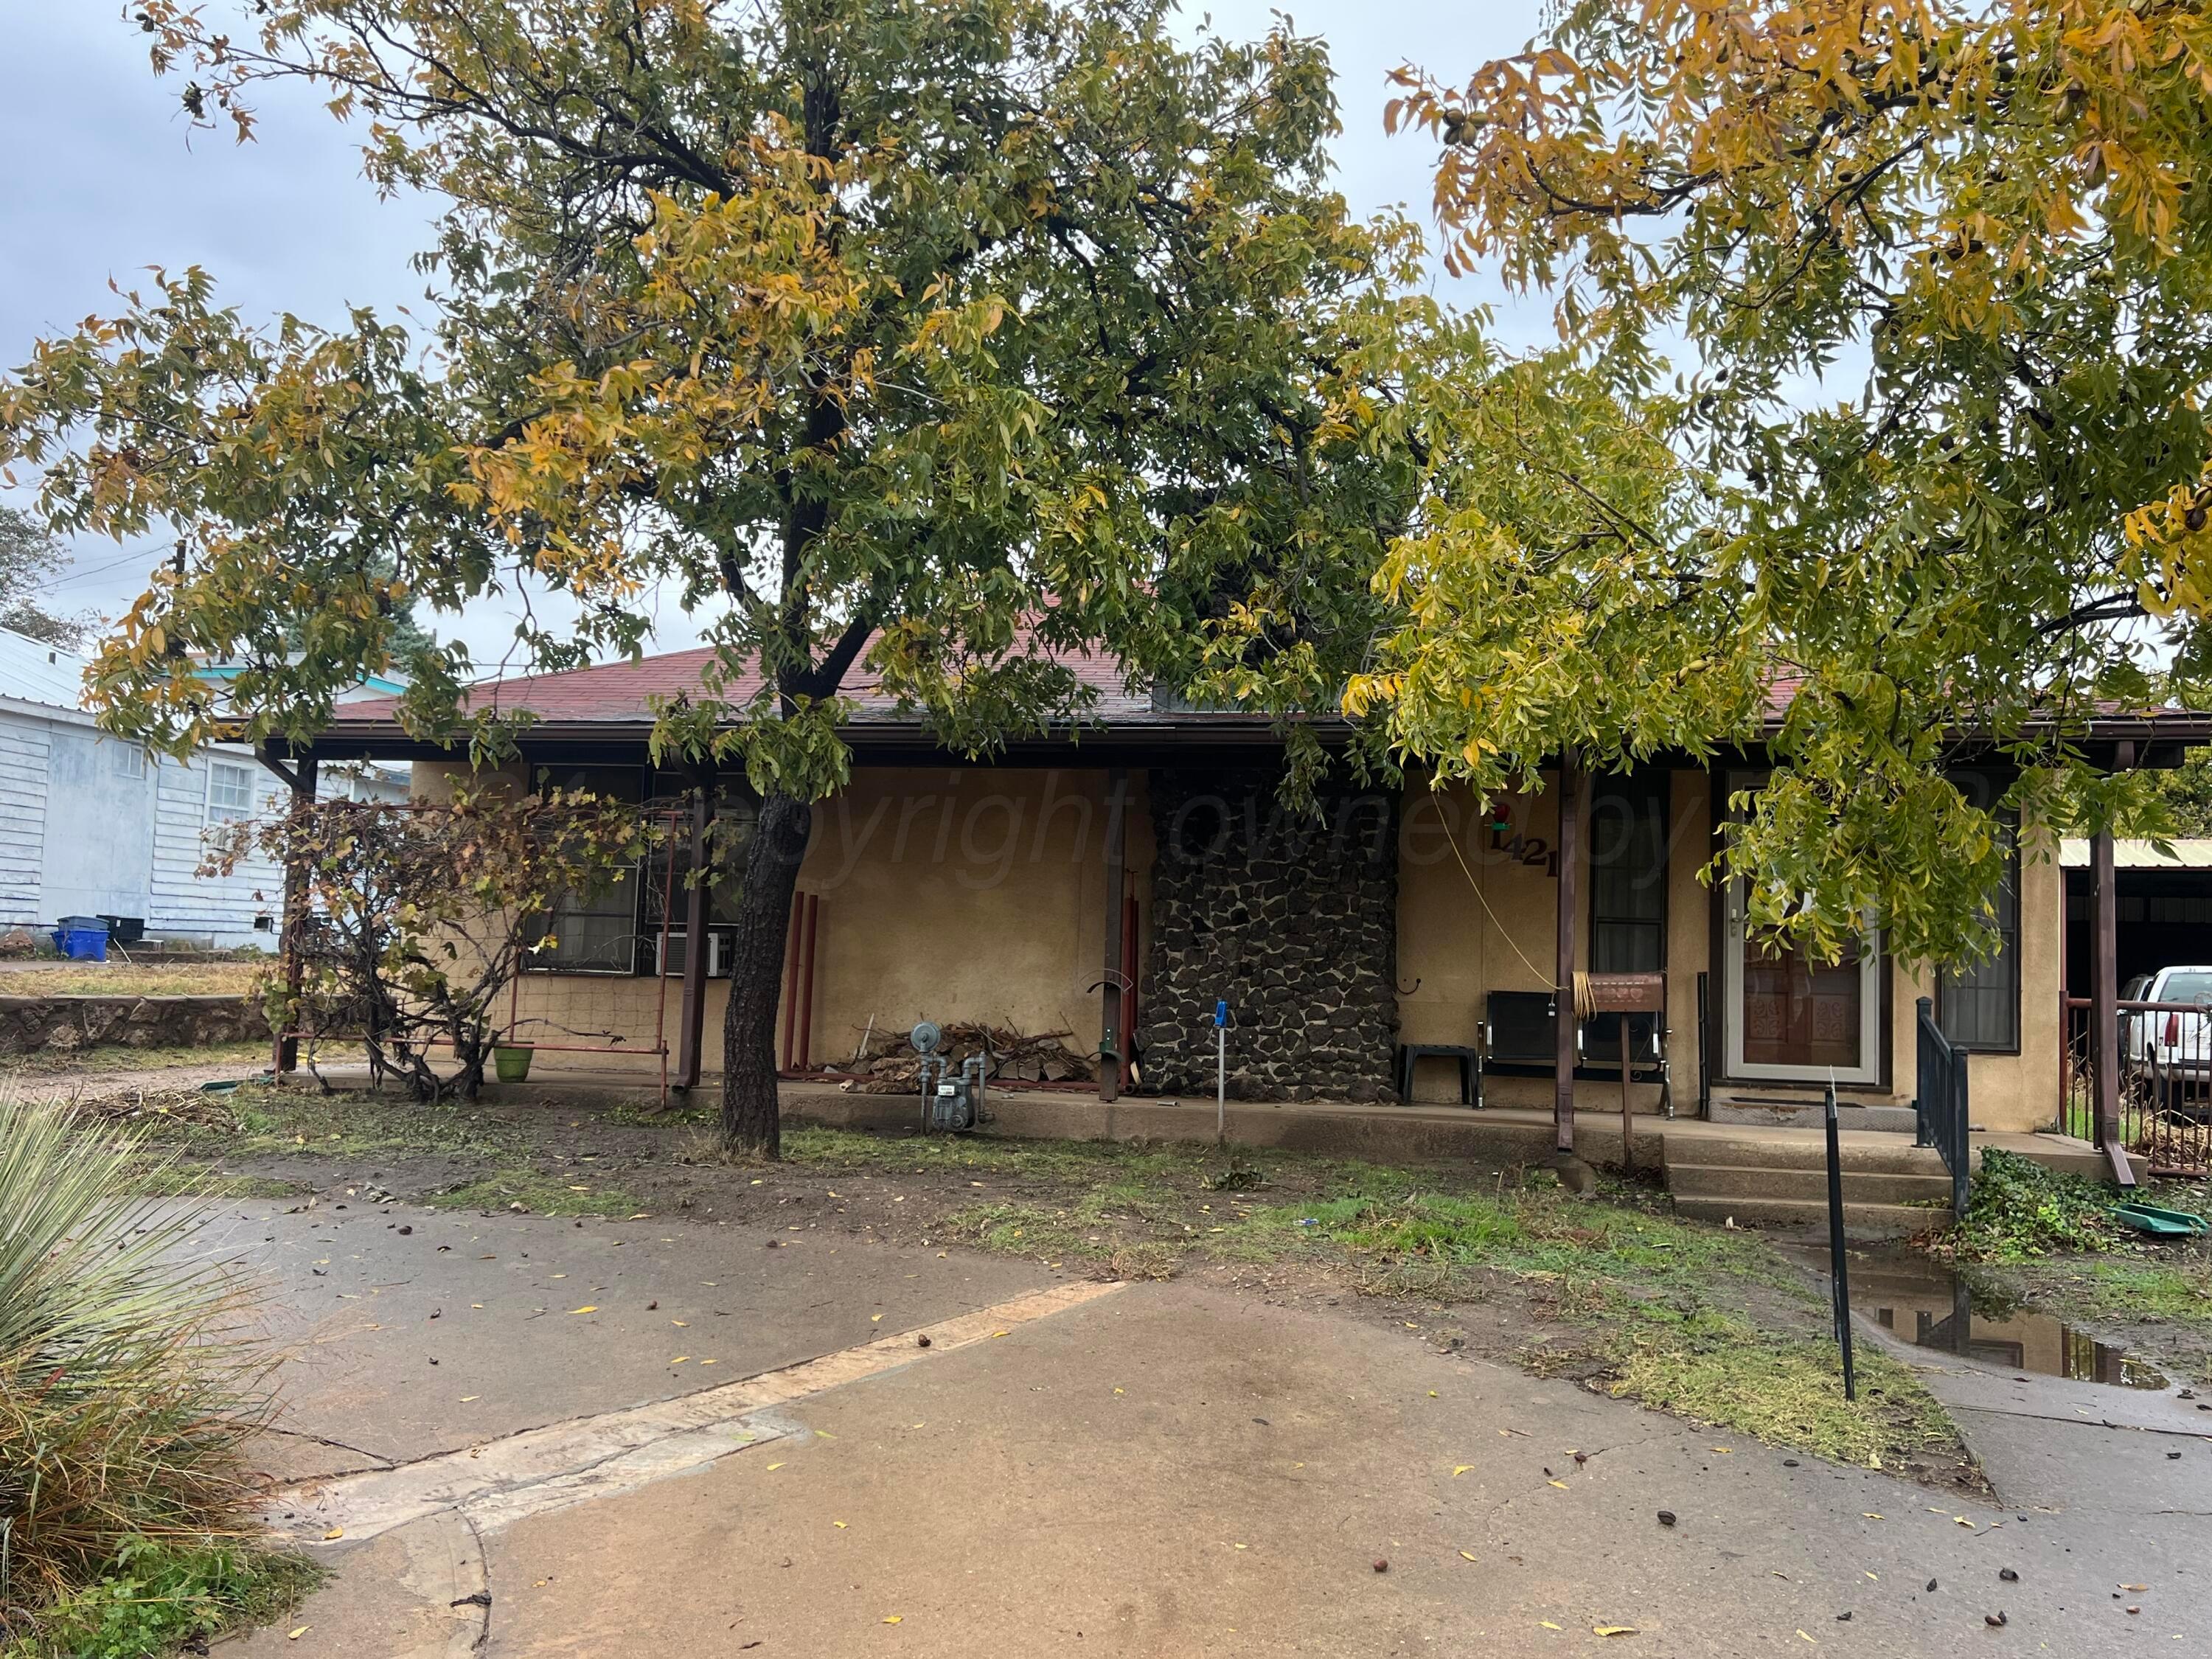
(94, 825)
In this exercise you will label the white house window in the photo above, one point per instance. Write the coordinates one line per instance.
(125, 760)
(230, 792)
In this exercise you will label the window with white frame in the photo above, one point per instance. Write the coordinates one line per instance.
(230, 792)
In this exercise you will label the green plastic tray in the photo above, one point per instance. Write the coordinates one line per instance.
(2164, 1224)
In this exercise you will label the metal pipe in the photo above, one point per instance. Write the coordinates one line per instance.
(1839, 1282)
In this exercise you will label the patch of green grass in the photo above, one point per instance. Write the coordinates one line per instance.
(302, 1119)
(1059, 1236)
(182, 1176)
(632, 1115)
(118, 978)
(157, 1596)
(541, 1194)
(2178, 1290)
(1721, 1371)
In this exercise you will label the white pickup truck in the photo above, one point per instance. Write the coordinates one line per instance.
(2172, 1047)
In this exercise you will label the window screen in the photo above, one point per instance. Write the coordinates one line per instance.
(1978, 1007)
(230, 792)
(736, 809)
(598, 934)
(1628, 873)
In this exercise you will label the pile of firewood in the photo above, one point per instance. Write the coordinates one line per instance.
(887, 1064)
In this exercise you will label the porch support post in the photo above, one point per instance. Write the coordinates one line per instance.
(692, 1016)
(283, 1049)
(2104, 986)
(1563, 1099)
(1112, 1040)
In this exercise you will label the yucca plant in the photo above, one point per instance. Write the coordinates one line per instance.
(126, 1388)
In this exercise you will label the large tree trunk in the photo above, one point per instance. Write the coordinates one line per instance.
(751, 1124)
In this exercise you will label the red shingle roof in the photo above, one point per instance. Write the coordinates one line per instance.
(623, 692)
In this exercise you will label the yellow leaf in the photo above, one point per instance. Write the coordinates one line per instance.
(1613, 1630)
(891, 1617)
(1548, 1624)
(773, 1466)
(1461, 1470)
(1809, 1638)
(840, 1525)
(294, 1635)
(466, 1398)
(589, 1307)
(875, 1319)
(1464, 1556)
(1561, 1485)
(335, 1532)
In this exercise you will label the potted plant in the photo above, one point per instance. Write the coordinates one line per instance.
(510, 1059)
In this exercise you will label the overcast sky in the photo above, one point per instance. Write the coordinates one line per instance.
(106, 179)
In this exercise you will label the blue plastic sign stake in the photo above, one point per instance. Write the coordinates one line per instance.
(1221, 1011)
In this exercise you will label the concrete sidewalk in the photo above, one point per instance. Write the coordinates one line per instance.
(1158, 1470)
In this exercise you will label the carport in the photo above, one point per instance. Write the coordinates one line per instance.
(2162, 910)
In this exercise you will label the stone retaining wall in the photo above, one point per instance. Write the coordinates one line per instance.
(60, 1023)
(1293, 920)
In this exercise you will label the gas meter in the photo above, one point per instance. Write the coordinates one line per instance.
(948, 1101)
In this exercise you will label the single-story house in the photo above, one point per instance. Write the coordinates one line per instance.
(1118, 882)
(96, 825)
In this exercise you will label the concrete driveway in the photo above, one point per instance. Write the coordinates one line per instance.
(1159, 1469)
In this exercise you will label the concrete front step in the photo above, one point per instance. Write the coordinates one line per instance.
(1810, 1114)
(1860, 1220)
(1890, 1154)
(1861, 1186)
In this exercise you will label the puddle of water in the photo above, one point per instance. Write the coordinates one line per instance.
(1925, 1303)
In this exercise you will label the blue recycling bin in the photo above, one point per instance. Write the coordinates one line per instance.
(82, 939)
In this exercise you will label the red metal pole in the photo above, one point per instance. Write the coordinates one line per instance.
(813, 915)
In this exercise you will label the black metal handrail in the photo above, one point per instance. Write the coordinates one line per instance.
(1939, 1104)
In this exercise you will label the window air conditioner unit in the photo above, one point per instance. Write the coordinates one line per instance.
(673, 955)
